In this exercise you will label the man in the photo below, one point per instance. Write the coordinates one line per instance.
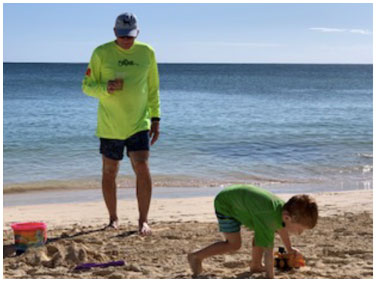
(123, 75)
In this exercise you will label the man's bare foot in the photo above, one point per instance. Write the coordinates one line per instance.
(144, 229)
(113, 224)
(195, 264)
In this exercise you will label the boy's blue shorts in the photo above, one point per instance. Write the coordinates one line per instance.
(228, 224)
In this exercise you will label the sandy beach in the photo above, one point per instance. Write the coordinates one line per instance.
(340, 246)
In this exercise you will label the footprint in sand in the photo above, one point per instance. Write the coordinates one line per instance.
(365, 234)
(116, 276)
(233, 264)
(326, 245)
(355, 252)
(367, 273)
(172, 237)
(104, 272)
(336, 261)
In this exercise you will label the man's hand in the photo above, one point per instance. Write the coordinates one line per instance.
(154, 132)
(114, 85)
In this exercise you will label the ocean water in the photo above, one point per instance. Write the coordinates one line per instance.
(294, 125)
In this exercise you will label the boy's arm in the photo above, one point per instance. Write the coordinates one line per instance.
(285, 238)
(269, 262)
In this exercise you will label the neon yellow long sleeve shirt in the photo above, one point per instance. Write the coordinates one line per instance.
(128, 111)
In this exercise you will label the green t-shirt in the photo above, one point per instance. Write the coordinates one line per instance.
(255, 208)
(127, 111)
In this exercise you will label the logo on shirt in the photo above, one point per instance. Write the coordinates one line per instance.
(126, 62)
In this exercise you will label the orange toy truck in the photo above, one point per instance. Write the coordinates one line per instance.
(285, 262)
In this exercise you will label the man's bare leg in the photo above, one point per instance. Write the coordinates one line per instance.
(139, 161)
(232, 243)
(110, 169)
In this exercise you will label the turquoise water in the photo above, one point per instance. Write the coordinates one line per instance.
(291, 124)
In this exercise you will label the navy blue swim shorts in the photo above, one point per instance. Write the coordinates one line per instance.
(114, 149)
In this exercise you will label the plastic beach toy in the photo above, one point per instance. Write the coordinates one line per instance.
(85, 266)
(29, 234)
(285, 262)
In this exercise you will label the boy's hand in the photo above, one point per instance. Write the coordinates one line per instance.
(295, 256)
(294, 251)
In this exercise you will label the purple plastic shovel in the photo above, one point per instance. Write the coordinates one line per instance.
(102, 265)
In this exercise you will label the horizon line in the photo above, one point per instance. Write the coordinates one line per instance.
(209, 63)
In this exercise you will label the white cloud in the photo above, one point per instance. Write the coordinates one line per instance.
(328, 29)
(359, 31)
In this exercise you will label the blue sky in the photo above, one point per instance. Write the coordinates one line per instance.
(193, 33)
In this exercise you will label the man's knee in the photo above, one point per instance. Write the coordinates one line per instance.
(139, 156)
(141, 166)
(139, 161)
(109, 172)
(110, 168)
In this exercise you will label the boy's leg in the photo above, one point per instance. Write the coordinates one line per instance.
(256, 259)
(232, 243)
(269, 262)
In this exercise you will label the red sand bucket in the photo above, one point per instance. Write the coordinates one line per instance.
(29, 234)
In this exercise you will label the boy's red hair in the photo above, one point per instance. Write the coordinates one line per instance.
(303, 209)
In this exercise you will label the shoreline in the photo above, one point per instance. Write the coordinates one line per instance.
(174, 190)
(167, 209)
(191, 181)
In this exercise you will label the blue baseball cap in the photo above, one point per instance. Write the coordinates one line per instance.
(126, 25)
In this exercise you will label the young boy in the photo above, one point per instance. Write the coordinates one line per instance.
(262, 212)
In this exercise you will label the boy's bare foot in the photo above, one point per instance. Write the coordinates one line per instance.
(113, 225)
(195, 264)
(144, 229)
(257, 269)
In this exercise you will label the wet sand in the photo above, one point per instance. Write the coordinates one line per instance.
(340, 246)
